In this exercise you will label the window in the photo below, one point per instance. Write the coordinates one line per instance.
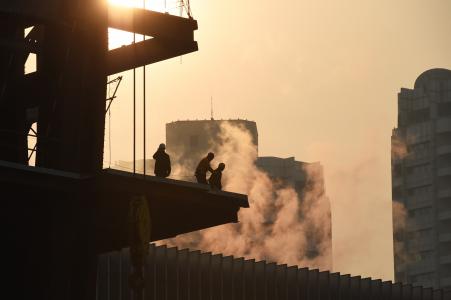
(445, 247)
(444, 109)
(424, 212)
(418, 116)
(444, 226)
(418, 131)
(422, 277)
(443, 182)
(445, 204)
(425, 255)
(444, 160)
(400, 276)
(445, 270)
(424, 234)
(420, 150)
(420, 170)
(420, 103)
(421, 192)
(397, 170)
(443, 139)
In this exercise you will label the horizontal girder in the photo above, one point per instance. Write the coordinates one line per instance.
(146, 52)
(151, 23)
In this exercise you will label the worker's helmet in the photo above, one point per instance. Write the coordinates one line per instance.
(162, 146)
(221, 166)
(210, 155)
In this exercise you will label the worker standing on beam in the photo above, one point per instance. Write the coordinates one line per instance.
(203, 167)
(162, 162)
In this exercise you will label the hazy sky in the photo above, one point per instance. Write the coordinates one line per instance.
(321, 79)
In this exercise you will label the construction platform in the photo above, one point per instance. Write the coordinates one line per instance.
(176, 207)
(57, 221)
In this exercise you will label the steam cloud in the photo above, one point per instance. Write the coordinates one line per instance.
(399, 226)
(399, 149)
(399, 211)
(280, 225)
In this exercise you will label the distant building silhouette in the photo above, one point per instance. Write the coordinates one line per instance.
(421, 181)
(308, 181)
(292, 172)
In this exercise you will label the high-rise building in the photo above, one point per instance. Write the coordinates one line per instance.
(421, 181)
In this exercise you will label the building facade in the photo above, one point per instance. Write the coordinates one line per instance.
(421, 181)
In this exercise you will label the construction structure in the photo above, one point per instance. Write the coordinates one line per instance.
(191, 274)
(66, 210)
(421, 181)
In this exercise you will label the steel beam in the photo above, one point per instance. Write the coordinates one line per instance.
(151, 23)
(145, 53)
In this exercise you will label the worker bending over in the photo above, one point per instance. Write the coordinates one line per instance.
(203, 167)
(216, 176)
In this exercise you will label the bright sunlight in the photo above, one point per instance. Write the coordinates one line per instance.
(118, 38)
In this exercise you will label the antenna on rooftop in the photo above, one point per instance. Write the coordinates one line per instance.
(211, 106)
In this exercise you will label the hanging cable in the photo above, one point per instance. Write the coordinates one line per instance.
(134, 102)
(144, 108)
(109, 127)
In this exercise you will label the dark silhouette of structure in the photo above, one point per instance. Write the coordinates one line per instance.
(203, 167)
(216, 176)
(192, 274)
(162, 162)
(65, 211)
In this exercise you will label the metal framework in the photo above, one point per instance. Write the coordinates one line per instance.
(117, 81)
(66, 210)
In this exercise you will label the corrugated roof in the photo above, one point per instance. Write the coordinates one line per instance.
(171, 273)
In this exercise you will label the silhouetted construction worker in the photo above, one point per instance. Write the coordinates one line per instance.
(215, 178)
(162, 162)
(203, 167)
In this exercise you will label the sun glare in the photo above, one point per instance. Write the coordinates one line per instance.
(155, 5)
(118, 38)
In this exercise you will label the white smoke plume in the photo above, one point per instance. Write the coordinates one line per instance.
(280, 225)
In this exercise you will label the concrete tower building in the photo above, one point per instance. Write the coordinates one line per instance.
(421, 181)
(292, 172)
